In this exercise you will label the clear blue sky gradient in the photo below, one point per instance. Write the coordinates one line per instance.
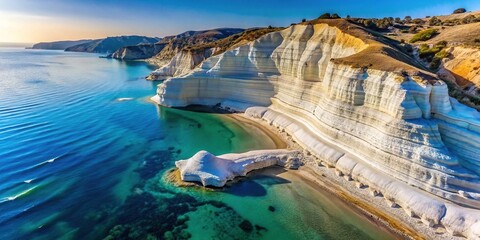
(160, 18)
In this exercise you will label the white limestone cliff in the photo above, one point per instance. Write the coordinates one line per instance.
(182, 63)
(357, 105)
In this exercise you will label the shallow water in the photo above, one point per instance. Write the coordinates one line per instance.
(83, 152)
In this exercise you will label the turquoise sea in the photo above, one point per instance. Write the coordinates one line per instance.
(83, 154)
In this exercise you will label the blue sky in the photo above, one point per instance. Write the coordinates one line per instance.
(46, 20)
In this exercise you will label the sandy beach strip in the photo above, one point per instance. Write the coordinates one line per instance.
(278, 140)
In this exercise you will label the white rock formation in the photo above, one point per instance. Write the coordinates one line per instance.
(182, 63)
(215, 171)
(357, 105)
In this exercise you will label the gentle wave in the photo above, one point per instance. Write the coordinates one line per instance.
(29, 180)
(51, 160)
(21, 126)
(124, 99)
(38, 165)
(28, 106)
(47, 199)
(19, 195)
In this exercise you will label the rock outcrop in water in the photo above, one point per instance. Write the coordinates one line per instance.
(358, 105)
(215, 171)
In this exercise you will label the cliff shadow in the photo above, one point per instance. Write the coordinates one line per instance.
(461, 82)
(255, 184)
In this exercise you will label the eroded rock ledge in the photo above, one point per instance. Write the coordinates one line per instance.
(211, 170)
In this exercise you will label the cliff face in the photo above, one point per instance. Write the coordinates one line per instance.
(110, 44)
(356, 104)
(182, 63)
(58, 45)
(463, 68)
(140, 51)
(191, 56)
(162, 52)
(189, 39)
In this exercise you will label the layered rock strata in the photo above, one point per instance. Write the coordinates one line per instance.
(192, 55)
(358, 105)
(432, 211)
(140, 51)
(182, 63)
(110, 44)
(161, 52)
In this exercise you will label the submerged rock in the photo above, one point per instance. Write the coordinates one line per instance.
(246, 226)
(215, 171)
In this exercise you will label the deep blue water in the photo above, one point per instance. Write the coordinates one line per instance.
(83, 152)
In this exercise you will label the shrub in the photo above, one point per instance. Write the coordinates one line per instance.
(435, 63)
(407, 19)
(434, 21)
(459, 10)
(325, 16)
(412, 29)
(424, 35)
(427, 53)
(477, 40)
(441, 44)
(374, 23)
(418, 21)
(368, 23)
(442, 54)
(304, 20)
(384, 23)
(437, 59)
(469, 19)
(434, 55)
(328, 16)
